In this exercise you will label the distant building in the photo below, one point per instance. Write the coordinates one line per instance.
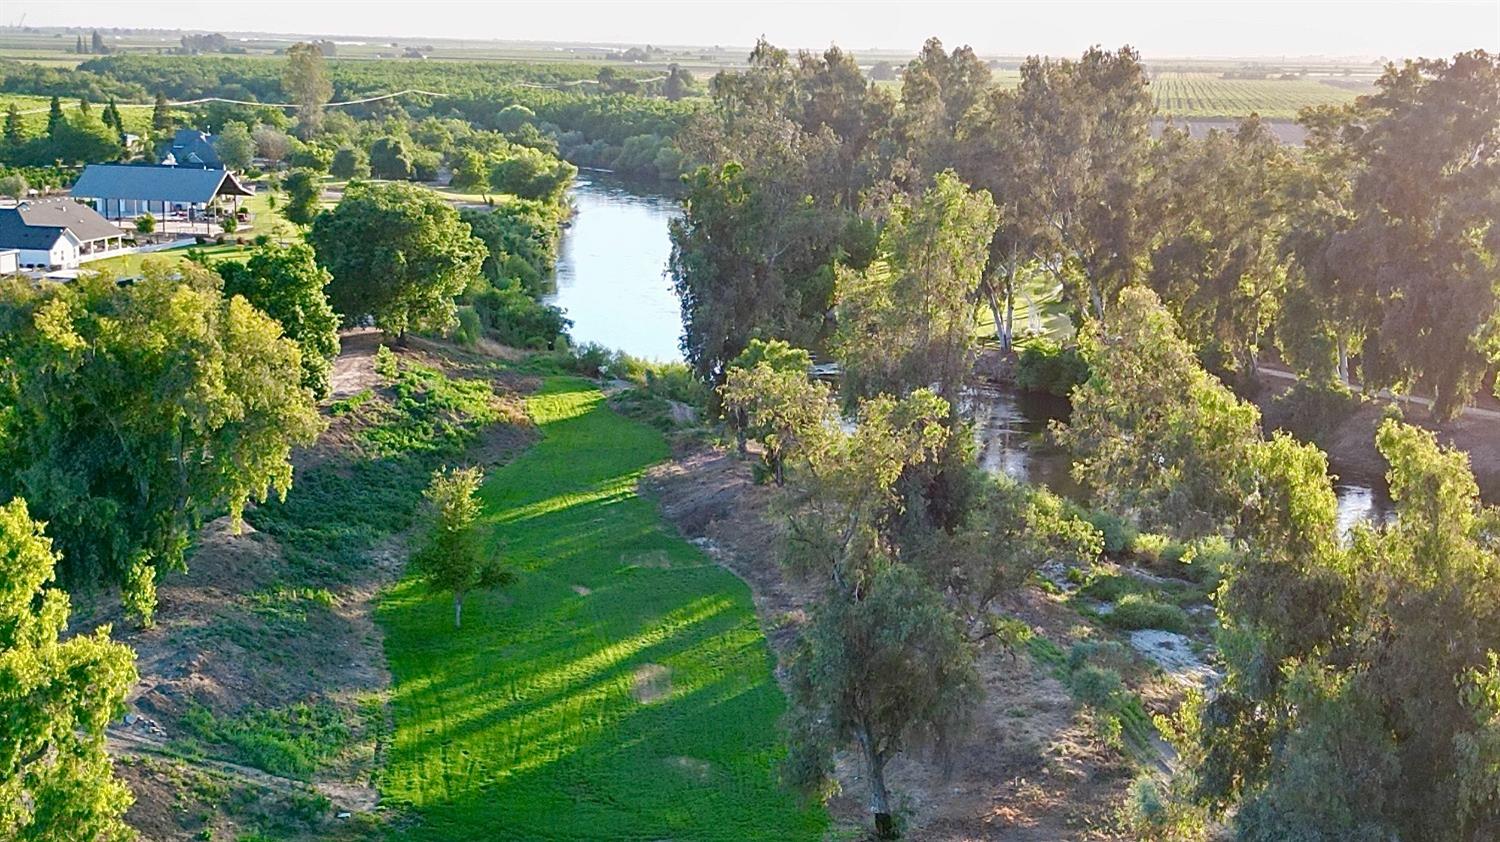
(192, 148)
(56, 234)
(10, 261)
(184, 195)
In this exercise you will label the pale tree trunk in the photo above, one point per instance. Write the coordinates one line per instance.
(1010, 295)
(1010, 307)
(1002, 333)
(880, 797)
(1096, 296)
(1343, 362)
(458, 609)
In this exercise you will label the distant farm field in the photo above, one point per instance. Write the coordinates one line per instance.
(1209, 95)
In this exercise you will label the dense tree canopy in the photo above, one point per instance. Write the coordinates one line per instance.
(56, 697)
(235, 146)
(398, 253)
(907, 320)
(1153, 433)
(134, 412)
(287, 284)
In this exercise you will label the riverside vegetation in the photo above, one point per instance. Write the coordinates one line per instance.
(607, 677)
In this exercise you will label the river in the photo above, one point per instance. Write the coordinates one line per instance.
(611, 269)
(611, 280)
(1010, 431)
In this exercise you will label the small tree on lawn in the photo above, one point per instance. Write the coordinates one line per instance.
(145, 223)
(452, 559)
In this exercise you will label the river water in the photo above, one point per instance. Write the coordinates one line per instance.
(611, 281)
(611, 269)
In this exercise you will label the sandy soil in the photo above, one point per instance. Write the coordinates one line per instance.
(1031, 770)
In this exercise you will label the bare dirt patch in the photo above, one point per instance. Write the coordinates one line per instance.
(1030, 770)
(650, 683)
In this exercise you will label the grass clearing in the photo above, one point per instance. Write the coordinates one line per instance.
(621, 689)
(1041, 309)
(129, 265)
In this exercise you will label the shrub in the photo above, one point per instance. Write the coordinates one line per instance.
(1206, 558)
(1159, 549)
(1138, 611)
(1110, 587)
(1096, 686)
(515, 318)
(1107, 653)
(1046, 366)
(469, 328)
(1119, 534)
(591, 359)
(385, 363)
(672, 381)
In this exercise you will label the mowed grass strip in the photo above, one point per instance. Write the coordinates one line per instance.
(621, 689)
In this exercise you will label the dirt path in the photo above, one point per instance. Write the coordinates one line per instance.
(344, 797)
(353, 370)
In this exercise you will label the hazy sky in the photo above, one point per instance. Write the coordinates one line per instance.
(1159, 29)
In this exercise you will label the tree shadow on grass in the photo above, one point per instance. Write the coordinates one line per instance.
(530, 722)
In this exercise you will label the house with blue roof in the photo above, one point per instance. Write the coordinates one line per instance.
(179, 197)
(192, 148)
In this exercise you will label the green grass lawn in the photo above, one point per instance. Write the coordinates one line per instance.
(531, 721)
(128, 265)
(1040, 308)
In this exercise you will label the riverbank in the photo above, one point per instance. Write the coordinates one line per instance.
(1350, 443)
(1033, 768)
(1013, 424)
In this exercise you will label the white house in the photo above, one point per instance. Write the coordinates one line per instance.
(57, 234)
(10, 261)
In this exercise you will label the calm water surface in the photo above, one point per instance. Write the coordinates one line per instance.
(611, 269)
(611, 280)
(1010, 429)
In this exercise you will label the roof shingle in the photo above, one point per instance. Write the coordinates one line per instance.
(155, 183)
(37, 224)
